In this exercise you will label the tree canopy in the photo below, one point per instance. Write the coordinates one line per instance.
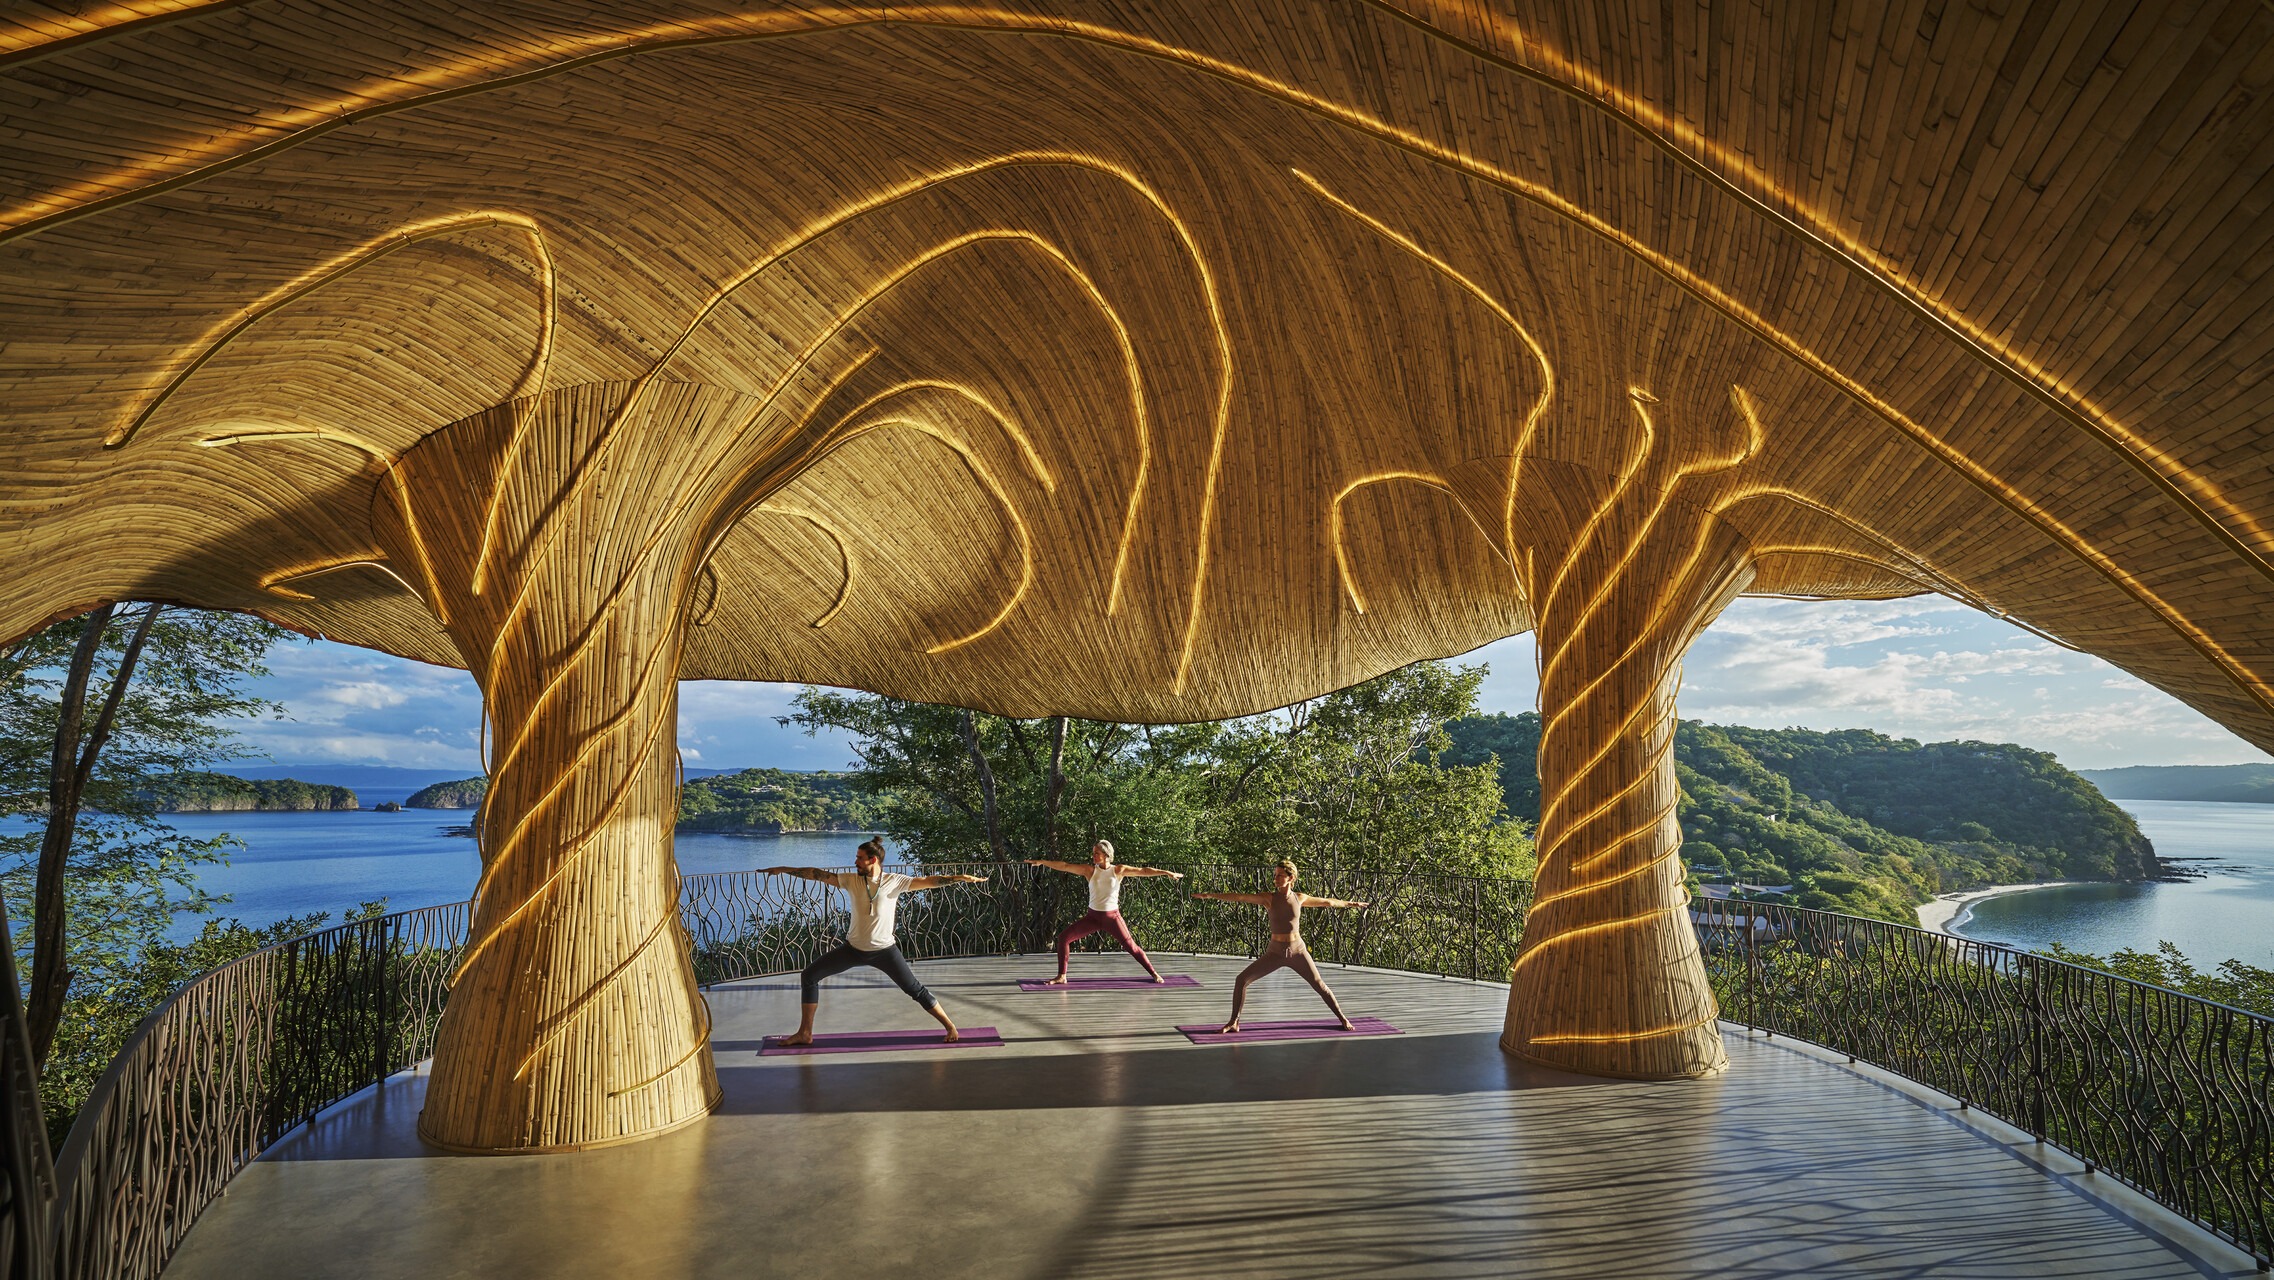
(1354, 779)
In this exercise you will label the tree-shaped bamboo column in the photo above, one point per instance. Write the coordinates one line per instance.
(1624, 573)
(562, 564)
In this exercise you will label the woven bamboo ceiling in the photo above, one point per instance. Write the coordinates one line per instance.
(1182, 358)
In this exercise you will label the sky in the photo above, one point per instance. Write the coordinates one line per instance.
(1923, 668)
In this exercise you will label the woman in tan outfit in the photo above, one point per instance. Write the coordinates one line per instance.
(1284, 908)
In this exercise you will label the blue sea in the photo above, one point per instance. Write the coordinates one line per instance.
(2227, 914)
(293, 864)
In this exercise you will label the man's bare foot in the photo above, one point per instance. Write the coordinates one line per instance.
(1058, 981)
(802, 1037)
(1230, 1029)
(1159, 980)
(1348, 1025)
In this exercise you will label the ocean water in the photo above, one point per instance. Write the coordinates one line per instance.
(2228, 914)
(297, 863)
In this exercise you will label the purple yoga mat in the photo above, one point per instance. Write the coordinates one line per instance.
(882, 1041)
(1108, 984)
(1306, 1029)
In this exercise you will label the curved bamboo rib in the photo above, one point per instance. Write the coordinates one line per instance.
(1624, 1037)
(570, 855)
(699, 1042)
(274, 583)
(25, 45)
(1334, 524)
(1825, 235)
(552, 1028)
(987, 481)
(844, 555)
(97, 195)
(398, 488)
(1531, 427)
(1010, 426)
(1541, 947)
(332, 272)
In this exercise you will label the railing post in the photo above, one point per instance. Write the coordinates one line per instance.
(1476, 927)
(2032, 990)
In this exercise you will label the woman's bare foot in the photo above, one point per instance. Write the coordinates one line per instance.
(1230, 1028)
(1348, 1025)
(1058, 981)
(802, 1037)
(953, 1035)
(1159, 980)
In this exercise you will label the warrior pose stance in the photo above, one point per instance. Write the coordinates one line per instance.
(1284, 907)
(876, 900)
(1105, 904)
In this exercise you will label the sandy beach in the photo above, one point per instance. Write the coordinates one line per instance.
(1936, 914)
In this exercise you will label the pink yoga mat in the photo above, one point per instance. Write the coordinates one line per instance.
(882, 1041)
(1108, 984)
(1307, 1029)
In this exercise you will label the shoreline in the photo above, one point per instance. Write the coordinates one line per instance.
(1942, 912)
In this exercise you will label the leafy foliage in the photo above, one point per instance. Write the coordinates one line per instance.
(202, 792)
(104, 1008)
(2245, 986)
(771, 801)
(1855, 821)
(465, 793)
(169, 683)
(1352, 780)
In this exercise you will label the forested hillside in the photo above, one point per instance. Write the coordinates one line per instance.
(199, 792)
(1859, 822)
(771, 801)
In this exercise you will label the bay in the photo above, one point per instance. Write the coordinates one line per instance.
(295, 863)
(2228, 914)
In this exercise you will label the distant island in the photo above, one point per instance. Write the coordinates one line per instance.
(2230, 783)
(226, 793)
(749, 802)
(465, 793)
(1856, 821)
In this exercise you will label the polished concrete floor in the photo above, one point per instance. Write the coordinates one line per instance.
(1098, 1143)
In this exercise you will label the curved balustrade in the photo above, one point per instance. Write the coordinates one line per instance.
(2172, 1094)
(2167, 1092)
(235, 1060)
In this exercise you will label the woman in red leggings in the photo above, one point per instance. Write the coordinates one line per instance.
(1284, 907)
(1105, 904)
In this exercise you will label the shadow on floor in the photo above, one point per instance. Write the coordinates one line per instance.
(964, 1080)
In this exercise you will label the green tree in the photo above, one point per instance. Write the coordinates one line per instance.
(957, 785)
(1358, 779)
(95, 714)
(1353, 779)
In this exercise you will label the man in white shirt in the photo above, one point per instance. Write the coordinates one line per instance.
(875, 897)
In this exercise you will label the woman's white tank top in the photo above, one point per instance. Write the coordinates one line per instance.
(1105, 889)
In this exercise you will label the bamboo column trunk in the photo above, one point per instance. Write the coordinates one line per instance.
(574, 1020)
(1610, 980)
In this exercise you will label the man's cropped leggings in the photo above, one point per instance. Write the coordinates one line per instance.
(893, 965)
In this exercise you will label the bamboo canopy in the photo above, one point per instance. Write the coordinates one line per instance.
(1158, 361)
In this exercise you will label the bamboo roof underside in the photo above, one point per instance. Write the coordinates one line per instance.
(1187, 358)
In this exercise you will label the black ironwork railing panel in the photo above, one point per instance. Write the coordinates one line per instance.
(2170, 1093)
(236, 1059)
(747, 923)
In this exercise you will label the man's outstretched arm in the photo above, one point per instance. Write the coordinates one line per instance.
(814, 874)
(1255, 898)
(921, 883)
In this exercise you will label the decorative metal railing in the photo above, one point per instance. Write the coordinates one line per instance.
(235, 1060)
(2167, 1092)
(2172, 1094)
(747, 923)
